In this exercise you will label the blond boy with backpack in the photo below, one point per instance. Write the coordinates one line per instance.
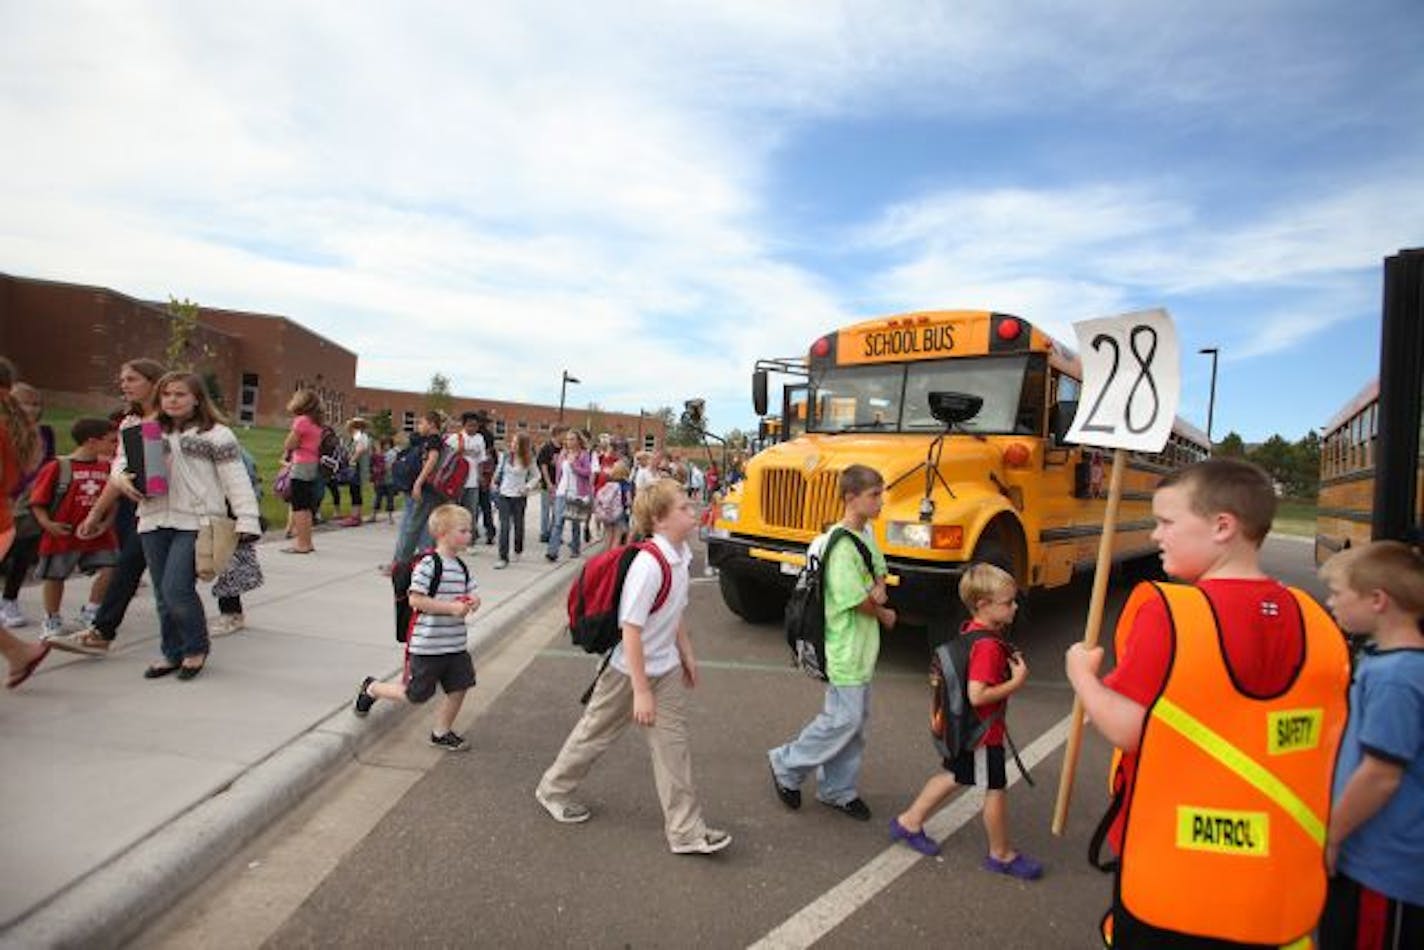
(650, 670)
(989, 670)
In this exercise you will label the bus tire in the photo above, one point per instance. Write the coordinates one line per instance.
(750, 599)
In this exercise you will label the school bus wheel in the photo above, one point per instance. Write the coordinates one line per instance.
(751, 599)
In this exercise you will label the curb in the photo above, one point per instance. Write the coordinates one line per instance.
(113, 903)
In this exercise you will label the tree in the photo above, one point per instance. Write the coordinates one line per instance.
(182, 324)
(1231, 447)
(381, 425)
(438, 397)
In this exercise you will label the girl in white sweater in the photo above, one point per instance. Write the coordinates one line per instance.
(206, 478)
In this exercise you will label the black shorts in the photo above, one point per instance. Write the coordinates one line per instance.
(453, 671)
(304, 495)
(1357, 917)
(985, 763)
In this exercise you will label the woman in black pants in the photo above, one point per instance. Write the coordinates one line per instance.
(136, 382)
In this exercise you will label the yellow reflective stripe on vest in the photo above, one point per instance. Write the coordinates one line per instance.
(1238, 762)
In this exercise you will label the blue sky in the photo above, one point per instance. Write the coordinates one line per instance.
(653, 195)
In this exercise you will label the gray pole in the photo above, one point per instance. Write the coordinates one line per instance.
(1211, 399)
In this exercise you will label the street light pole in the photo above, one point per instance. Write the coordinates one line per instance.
(1211, 398)
(563, 387)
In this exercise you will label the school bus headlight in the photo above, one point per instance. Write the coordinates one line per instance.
(730, 511)
(917, 534)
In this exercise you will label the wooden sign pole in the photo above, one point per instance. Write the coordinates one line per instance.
(1090, 638)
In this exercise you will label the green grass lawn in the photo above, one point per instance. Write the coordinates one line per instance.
(264, 443)
(1295, 516)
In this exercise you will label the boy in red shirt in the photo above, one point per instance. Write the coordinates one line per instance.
(1211, 519)
(996, 671)
(61, 550)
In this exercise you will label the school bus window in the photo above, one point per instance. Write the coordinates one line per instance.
(857, 397)
(1000, 382)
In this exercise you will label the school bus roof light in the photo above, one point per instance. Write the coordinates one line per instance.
(822, 347)
(1009, 329)
(1008, 334)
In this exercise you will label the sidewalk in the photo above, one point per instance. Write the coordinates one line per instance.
(119, 792)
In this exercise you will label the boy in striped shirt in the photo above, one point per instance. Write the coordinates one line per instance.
(436, 649)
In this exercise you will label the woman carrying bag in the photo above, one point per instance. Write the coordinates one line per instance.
(206, 478)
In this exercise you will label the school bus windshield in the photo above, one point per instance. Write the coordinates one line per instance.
(894, 397)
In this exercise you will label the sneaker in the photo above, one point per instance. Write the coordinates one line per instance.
(790, 797)
(89, 641)
(53, 626)
(225, 624)
(1022, 867)
(364, 700)
(551, 558)
(855, 808)
(11, 615)
(918, 840)
(500, 565)
(565, 813)
(87, 613)
(711, 842)
(449, 742)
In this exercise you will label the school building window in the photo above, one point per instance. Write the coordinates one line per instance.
(499, 428)
(650, 442)
(521, 425)
(408, 420)
(247, 400)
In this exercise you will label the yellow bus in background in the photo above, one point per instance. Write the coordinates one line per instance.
(1348, 460)
(964, 414)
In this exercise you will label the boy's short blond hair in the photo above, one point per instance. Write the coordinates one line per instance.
(1229, 486)
(1391, 566)
(447, 518)
(982, 581)
(654, 502)
(620, 471)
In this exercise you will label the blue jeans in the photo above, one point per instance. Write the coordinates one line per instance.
(181, 622)
(546, 514)
(511, 521)
(556, 530)
(123, 583)
(832, 744)
(414, 532)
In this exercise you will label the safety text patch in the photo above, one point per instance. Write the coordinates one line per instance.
(1293, 730)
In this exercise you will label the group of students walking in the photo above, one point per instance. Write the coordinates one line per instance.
(142, 490)
(1253, 805)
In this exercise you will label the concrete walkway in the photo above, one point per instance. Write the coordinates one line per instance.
(119, 792)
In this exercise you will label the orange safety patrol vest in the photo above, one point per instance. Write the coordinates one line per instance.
(1224, 835)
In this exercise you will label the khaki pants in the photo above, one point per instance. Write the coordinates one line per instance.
(609, 712)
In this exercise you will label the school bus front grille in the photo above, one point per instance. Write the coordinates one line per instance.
(789, 499)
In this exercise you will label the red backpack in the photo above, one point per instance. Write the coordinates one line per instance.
(452, 470)
(595, 594)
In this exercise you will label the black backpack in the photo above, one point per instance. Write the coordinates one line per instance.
(806, 610)
(401, 574)
(406, 467)
(954, 723)
(333, 455)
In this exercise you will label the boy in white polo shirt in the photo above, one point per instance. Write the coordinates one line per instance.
(650, 673)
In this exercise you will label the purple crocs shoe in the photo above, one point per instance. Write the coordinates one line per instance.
(918, 840)
(1022, 867)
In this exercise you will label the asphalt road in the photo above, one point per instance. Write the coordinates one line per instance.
(461, 855)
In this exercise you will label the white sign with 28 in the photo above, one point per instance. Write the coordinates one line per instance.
(1131, 381)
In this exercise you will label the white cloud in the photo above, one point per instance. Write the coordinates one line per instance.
(538, 186)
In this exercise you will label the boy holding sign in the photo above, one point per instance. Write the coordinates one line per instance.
(1226, 707)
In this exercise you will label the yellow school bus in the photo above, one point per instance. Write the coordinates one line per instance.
(964, 414)
(1348, 471)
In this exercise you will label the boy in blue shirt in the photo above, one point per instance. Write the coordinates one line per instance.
(1374, 846)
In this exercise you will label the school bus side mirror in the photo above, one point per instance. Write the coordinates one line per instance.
(1061, 419)
(759, 392)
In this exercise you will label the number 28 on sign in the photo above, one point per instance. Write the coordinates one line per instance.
(1131, 381)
